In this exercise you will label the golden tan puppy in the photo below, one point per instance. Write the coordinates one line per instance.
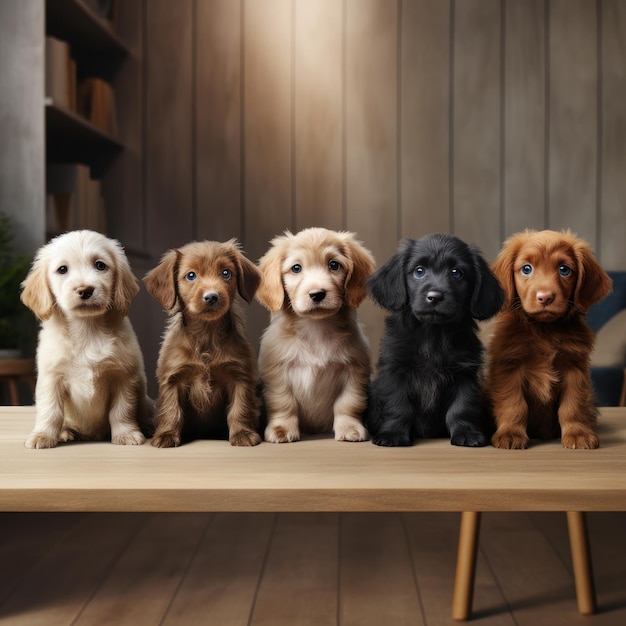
(206, 368)
(538, 379)
(91, 380)
(314, 359)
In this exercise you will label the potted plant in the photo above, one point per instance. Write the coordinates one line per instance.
(17, 324)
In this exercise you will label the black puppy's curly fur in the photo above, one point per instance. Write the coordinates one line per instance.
(428, 370)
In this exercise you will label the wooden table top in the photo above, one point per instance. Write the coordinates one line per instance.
(315, 474)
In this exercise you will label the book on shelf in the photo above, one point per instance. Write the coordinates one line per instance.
(74, 200)
(60, 73)
(96, 103)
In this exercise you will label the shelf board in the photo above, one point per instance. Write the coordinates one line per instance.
(71, 138)
(99, 49)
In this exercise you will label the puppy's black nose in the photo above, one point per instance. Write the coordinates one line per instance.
(211, 297)
(85, 292)
(434, 296)
(317, 296)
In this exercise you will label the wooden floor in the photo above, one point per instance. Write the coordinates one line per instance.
(290, 569)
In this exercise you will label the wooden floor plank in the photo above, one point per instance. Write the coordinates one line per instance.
(376, 584)
(607, 541)
(139, 587)
(537, 585)
(25, 544)
(55, 590)
(553, 526)
(433, 542)
(608, 552)
(299, 585)
(220, 584)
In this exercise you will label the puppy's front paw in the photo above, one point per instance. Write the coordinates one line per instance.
(470, 439)
(68, 435)
(349, 429)
(355, 432)
(509, 441)
(129, 438)
(581, 441)
(282, 434)
(40, 440)
(168, 439)
(392, 440)
(245, 438)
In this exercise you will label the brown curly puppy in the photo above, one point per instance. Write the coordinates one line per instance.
(206, 368)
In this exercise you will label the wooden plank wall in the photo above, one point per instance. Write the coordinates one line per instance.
(389, 118)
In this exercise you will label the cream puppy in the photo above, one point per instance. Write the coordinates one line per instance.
(91, 379)
(313, 357)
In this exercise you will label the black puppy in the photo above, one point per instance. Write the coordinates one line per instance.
(427, 383)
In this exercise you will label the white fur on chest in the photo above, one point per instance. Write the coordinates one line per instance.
(83, 365)
(315, 357)
(312, 344)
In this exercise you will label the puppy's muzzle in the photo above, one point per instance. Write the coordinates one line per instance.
(211, 298)
(84, 293)
(318, 295)
(434, 296)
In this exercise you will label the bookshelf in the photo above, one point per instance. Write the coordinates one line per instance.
(91, 36)
(80, 118)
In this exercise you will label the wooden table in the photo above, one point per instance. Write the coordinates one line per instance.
(320, 474)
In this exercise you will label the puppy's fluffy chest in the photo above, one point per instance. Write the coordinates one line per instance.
(550, 343)
(314, 344)
(314, 359)
(91, 368)
(91, 349)
(433, 348)
(204, 350)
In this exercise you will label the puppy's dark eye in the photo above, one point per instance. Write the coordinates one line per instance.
(62, 269)
(226, 274)
(296, 269)
(333, 265)
(457, 273)
(419, 272)
(527, 269)
(564, 270)
(100, 266)
(190, 276)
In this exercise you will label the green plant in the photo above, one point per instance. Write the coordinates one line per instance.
(17, 325)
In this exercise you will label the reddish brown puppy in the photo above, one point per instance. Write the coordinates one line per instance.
(538, 379)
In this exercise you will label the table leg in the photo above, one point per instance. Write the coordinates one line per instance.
(465, 565)
(581, 562)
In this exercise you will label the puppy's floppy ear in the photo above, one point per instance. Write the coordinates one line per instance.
(271, 292)
(126, 285)
(387, 285)
(248, 275)
(363, 265)
(593, 282)
(36, 293)
(487, 297)
(503, 266)
(161, 281)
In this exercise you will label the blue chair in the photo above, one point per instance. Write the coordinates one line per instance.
(608, 363)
